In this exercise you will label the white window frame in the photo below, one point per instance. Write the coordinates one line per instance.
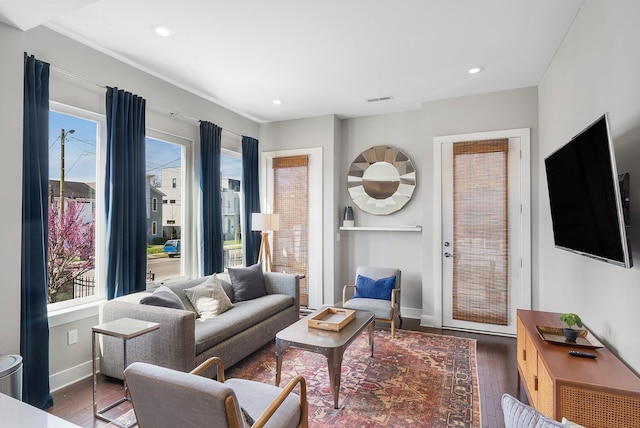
(188, 205)
(154, 205)
(154, 228)
(55, 309)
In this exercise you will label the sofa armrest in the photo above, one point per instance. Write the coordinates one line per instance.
(283, 283)
(172, 345)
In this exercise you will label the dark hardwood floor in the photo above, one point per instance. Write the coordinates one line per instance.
(495, 357)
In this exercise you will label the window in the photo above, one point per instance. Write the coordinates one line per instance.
(74, 139)
(154, 204)
(231, 171)
(154, 228)
(166, 158)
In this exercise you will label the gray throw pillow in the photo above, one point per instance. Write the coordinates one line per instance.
(163, 296)
(247, 283)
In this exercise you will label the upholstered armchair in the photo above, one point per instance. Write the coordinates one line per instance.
(377, 289)
(167, 398)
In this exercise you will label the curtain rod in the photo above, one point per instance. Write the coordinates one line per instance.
(187, 117)
(171, 113)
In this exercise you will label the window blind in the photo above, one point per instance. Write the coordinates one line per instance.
(480, 238)
(291, 202)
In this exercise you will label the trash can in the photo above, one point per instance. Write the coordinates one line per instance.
(11, 376)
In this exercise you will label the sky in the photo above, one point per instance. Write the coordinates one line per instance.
(79, 148)
(80, 151)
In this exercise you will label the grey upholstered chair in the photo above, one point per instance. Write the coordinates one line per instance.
(167, 398)
(519, 415)
(386, 306)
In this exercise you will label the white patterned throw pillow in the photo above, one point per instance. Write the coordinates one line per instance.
(209, 298)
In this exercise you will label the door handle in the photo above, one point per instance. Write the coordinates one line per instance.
(448, 255)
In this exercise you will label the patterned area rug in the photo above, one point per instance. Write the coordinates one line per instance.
(416, 380)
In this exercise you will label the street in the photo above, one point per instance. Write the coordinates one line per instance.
(164, 267)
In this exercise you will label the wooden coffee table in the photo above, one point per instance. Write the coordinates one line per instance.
(331, 344)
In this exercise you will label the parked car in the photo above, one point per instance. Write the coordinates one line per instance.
(172, 247)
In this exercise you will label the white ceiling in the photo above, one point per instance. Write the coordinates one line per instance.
(322, 57)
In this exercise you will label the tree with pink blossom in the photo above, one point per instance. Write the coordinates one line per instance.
(71, 245)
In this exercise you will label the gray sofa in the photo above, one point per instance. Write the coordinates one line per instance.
(182, 341)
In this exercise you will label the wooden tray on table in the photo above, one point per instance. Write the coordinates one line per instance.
(332, 319)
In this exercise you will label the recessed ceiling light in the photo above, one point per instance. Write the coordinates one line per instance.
(162, 31)
(475, 70)
(277, 102)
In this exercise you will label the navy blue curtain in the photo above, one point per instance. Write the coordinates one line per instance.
(251, 191)
(126, 218)
(211, 249)
(34, 324)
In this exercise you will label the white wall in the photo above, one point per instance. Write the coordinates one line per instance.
(11, 88)
(403, 250)
(595, 71)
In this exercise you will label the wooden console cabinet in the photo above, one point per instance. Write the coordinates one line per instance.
(596, 393)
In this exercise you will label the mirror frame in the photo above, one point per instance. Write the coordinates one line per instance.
(406, 174)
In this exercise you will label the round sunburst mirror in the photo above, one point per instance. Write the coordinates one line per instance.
(381, 180)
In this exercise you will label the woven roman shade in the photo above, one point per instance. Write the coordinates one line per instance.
(291, 202)
(480, 238)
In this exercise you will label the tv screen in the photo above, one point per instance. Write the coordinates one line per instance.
(586, 207)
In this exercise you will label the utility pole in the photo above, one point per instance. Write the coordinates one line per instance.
(62, 137)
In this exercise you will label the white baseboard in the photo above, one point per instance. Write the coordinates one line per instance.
(71, 375)
(430, 321)
(411, 313)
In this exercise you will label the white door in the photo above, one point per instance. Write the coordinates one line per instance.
(314, 277)
(485, 238)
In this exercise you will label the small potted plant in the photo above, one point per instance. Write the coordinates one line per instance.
(570, 334)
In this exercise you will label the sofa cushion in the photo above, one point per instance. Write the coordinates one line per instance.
(241, 317)
(208, 298)
(163, 296)
(247, 283)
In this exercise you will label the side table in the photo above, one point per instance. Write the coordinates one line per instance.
(125, 329)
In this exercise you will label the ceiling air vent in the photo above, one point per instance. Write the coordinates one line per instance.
(375, 100)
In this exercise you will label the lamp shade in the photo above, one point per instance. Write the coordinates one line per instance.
(264, 222)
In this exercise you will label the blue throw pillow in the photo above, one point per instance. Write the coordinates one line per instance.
(374, 289)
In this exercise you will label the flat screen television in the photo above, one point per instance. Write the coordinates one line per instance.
(585, 197)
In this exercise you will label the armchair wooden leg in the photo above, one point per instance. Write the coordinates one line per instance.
(393, 329)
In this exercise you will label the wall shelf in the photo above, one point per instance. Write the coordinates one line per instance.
(410, 228)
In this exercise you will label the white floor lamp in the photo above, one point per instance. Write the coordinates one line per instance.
(265, 223)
